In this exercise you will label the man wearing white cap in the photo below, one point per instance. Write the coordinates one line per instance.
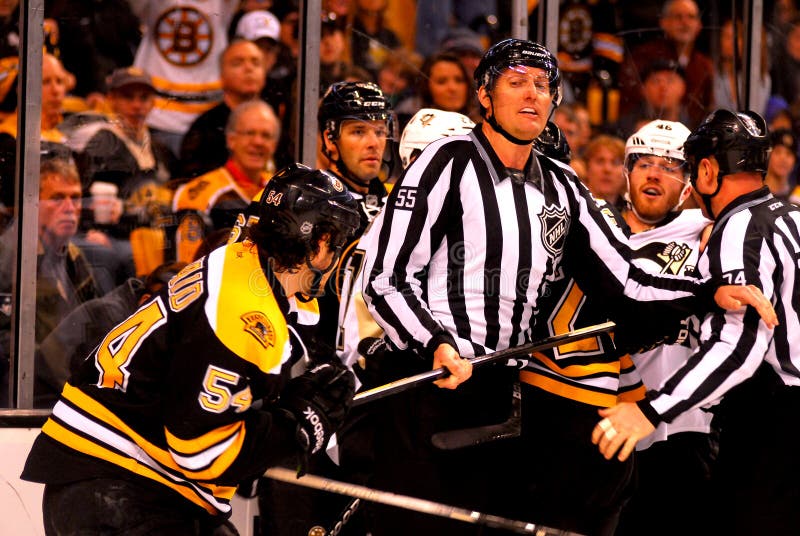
(264, 29)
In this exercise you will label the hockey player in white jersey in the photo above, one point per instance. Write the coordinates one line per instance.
(673, 464)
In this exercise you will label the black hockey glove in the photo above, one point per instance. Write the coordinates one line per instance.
(318, 400)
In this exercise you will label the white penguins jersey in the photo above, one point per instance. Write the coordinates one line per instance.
(670, 248)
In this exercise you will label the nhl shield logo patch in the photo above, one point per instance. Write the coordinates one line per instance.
(554, 229)
(258, 325)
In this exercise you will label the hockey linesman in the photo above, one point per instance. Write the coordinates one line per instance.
(673, 465)
(745, 372)
(469, 239)
(190, 395)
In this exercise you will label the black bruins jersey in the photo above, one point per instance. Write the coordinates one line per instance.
(167, 395)
(590, 371)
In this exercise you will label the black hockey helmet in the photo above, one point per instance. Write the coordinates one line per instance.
(352, 100)
(738, 140)
(298, 200)
(552, 143)
(511, 52)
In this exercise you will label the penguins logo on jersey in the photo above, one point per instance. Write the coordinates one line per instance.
(258, 325)
(669, 257)
(554, 222)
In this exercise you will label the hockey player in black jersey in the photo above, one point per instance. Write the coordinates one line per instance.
(192, 393)
(355, 123)
(745, 372)
(468, 242)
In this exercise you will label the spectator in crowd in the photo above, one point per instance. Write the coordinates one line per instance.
(743, 370)
(436, 18)
(264, 29)
(155, 408)
(467, 46)
(786, 64)
(729, 76)
(334, 57)
(213, 200)
(243, 77)
(371, 41)
(180, 49)
(397, 75)
(9, 28)
(64, 277)
(245, 7)
(64, 349)
(681, 24)
(780, 176)
(673, 465)
(54, 90)
(573, 121)
(95, 37)
(604, 170)
(121, 150)
(663, 88)
(442, 84)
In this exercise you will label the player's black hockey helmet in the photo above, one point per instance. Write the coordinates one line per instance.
(352, 100)
(298, 199)
(552, 142)
(738, 140)
(511, 52)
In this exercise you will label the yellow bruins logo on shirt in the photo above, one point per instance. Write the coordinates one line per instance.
(258, 325)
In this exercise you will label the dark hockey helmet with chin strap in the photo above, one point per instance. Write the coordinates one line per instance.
(299, 202)
(552, 143)
(352, 100)
(739, 141)
(511, 52)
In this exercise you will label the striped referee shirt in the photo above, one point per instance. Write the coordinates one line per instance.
(756, 240)
(466, 247)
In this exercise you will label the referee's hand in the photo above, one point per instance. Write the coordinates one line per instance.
(733, 297)
(460, 369)
(622, 427)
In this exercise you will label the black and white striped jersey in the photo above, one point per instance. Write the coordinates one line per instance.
(466, 247)
(755, 240)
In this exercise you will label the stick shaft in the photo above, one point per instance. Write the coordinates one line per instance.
(404, 384)
(409, 503)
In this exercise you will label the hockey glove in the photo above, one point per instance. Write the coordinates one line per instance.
(318, 401)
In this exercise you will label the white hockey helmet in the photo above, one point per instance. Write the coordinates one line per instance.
(658, 138)
(428, 125)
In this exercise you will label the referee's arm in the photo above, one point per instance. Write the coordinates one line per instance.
(402, 251)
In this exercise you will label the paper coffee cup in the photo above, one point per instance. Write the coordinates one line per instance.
(104, 201)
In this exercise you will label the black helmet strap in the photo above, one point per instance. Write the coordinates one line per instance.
(707, 198)
(315, 291)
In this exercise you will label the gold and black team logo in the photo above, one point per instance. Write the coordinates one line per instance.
(258, 325)
(184, 36)
(337, 185)
(554, 222)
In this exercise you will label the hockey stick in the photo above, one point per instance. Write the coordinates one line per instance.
(412, 503)
(404, 384)
(470, 437)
